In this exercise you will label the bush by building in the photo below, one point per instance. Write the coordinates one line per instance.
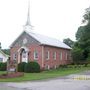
(21, 66)
(32, 67)
(3, 66)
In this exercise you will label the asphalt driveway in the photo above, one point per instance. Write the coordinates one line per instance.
(64, 83)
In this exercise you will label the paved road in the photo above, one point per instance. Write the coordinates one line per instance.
(66, 83)
(4, 86)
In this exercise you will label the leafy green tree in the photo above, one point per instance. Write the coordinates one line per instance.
(6, 51)
(77, 55)
(69, 42)
(80, 33)
(0, 45)
(88, 59)
(82, 46)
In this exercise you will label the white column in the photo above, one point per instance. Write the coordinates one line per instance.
(26, 57)
(18, 57)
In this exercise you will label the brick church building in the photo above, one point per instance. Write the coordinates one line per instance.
(30, 46)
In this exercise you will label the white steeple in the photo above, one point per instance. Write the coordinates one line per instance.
(28, 25)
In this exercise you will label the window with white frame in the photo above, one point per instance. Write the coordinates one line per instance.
(1, 59)
(54, 55)
(47, 55)
(14, 56)
(55, 66)
(35, 55)
(47, 67)
(60, 55)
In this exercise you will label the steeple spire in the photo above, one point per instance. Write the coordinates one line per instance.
(28, 25)
(28, 15)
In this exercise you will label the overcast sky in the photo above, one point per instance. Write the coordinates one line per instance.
(55, 18)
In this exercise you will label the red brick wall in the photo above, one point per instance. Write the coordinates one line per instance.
(31, 53)
(51, 62)
(12, 51)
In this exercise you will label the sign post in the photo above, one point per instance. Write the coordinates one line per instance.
(11, 66)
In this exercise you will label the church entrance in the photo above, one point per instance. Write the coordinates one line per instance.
(23, 55)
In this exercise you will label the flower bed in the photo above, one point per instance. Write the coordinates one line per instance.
(12, 75)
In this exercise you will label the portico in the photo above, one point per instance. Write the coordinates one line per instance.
(23, 54)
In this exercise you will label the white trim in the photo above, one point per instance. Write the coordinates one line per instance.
(44, 40)
(47, 55)
(18, 57)
(54, 55)
(35, 52)
(16, 39)
(47, 67)
(60, 55)
(26, 49)
(55, 66)
(23, 47)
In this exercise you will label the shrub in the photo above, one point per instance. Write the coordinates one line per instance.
(63, 66)
(70, 66)
(32, 67)
(3, 66)
(88, 59)
(77, 55)
(21, 66)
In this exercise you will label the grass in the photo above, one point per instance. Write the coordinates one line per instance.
(45, 74)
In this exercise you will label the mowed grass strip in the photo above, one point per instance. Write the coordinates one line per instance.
(45, 74)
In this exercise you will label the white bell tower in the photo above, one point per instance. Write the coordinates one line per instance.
(28, 26)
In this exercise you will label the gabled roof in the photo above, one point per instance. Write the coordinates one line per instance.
(45, 40)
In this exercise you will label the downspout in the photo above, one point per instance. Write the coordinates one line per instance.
(42, 56)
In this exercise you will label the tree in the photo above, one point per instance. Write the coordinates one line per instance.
(69, 42)
(0, 45)
(83, 39)
(77, 55)
(6, 51)
(80, 33)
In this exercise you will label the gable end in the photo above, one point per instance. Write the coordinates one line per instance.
(20, 40)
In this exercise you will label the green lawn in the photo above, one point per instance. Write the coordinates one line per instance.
(45, 74)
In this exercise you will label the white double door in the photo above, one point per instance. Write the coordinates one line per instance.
(24, 56)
